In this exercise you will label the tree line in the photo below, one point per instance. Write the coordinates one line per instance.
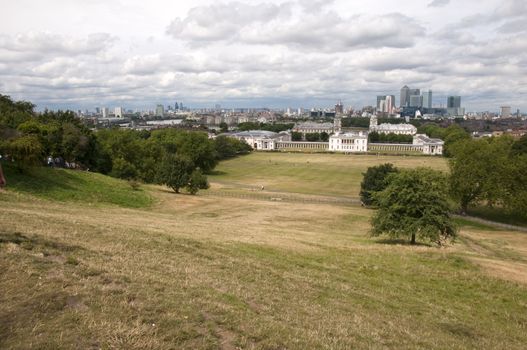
(177, 158)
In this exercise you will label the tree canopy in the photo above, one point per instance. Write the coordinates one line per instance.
(375, 180)
(414, 206)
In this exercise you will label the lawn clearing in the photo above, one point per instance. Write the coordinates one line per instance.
(320, 174)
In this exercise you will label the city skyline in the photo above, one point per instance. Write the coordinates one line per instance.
(276, 54)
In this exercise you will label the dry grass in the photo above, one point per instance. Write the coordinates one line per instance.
(221, 273)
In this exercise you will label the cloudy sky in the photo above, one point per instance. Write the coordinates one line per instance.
(273, 53)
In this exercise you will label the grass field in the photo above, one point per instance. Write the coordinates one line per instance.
(331, 174)
(207, 272)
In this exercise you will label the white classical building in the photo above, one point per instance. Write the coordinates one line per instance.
(385, 128)
(350, 142)
(262, 140)
(429, 146)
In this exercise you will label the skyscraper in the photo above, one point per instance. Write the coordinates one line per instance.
(427, 99)
(118, 111)
(453, 102)
(160, 110)
(505, 112)
(416, 101)
(339, 108)
(405, 96)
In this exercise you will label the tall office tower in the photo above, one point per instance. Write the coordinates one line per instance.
(505, 112)
(453, 102)
(427, 99)
(405, 96)
(176, 106)
(389, 103)
(339, 108)
(97, 110)
(105, 112)
(118, 111)
(160, 110)
(379, 99)
(416, 101)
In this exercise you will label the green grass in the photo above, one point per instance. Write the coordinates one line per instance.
(69, 185)
(499, 215)
(322, 174)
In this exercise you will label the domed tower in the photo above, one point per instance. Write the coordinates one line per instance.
(373, 123)
(337, 125)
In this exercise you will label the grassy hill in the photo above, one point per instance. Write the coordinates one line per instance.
(209, 272)
(80, 186)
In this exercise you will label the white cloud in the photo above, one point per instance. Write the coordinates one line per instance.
(272, 52)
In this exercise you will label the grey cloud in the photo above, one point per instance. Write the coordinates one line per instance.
(267, 24)
(439, 3)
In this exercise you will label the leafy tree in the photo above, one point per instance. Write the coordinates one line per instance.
(520, 146)
(224, 127)
(228, 147)
(313, 137)
(175, 171)
(197, 181)
(296, 136)
(26, 151)
(375, 180)
(324, 136)
(414, 205)
(476, 166)
(123, 169)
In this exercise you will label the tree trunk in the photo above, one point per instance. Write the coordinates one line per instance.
(413, 239)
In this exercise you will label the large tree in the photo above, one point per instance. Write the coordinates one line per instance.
(414, 206)
(375, 180)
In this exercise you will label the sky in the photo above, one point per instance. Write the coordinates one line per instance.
(82, 54)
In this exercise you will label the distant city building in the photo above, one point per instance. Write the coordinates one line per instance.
(176, 106)
(454, 106)
(505, 112)
(416, 101)
(339, 108)
(427, 99)
(385, 103)
(105, 112)
(160, 110)
(118, 112)
(453, 102)
(405, 97)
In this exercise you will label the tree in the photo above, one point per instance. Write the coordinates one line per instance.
(375, 180)
(296, 136)
(224, 127)
(414, 205)
(197, 181)
(175, 171)
(476, 166)
(324, 136)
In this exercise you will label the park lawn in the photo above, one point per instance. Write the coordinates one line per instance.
(206, 272)
(81, 186)
(321, 174)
